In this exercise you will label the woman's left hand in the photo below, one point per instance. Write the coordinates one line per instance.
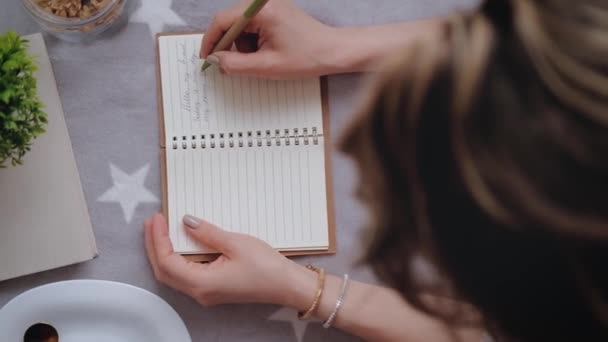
(248, 271)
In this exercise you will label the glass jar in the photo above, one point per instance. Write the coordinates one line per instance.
(85, 26)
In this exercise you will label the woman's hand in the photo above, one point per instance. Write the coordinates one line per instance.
(283, 42)
(280, 42)
(249, 270)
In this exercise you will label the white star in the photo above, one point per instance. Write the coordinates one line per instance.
(289, 315)
(128, 190)
(156, 13)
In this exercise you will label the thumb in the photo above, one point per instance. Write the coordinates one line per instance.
(246, 64)
(209, 234)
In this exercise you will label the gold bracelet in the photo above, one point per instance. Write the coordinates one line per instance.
(320, 287)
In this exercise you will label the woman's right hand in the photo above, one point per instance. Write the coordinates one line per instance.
(289, 44)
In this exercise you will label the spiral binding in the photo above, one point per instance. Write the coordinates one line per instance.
(277, 137)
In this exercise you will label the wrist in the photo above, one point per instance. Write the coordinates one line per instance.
(357, 49)
(301, 287)
(344, 52)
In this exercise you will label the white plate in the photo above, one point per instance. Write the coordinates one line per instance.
(93, 311)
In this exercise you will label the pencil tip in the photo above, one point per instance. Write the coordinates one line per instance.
(204, 65)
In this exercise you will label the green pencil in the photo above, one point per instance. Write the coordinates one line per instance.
(237, 28)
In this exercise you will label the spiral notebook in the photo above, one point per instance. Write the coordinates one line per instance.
(247, 154)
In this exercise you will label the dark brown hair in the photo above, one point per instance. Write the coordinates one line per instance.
(484, 149)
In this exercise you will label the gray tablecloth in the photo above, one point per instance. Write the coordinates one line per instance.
(109, 96)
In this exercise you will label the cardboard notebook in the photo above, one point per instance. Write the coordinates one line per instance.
(247, 154)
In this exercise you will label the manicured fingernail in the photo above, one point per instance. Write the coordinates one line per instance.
(192, 222)
(213, 60)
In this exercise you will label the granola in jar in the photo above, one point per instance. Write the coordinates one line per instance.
(82, 9)
(76, 20)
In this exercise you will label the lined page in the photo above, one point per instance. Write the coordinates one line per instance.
(275, 194)
(241, 154)
(196, 103)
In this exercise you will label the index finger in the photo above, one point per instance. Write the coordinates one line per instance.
(219, 25)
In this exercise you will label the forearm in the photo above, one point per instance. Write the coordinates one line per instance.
(357, 49)
(371, 312)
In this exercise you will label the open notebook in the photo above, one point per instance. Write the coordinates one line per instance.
(246, 154)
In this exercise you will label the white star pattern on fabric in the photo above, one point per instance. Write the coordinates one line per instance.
(290, 315)
(128, 190)
(156, 14)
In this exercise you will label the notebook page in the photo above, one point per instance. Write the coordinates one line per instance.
(240, 152)
(197, 104)
(275, 194)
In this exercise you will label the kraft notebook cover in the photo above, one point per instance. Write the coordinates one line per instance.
(247, 154)
(44, 221)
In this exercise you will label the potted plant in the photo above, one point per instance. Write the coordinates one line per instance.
(22, 118)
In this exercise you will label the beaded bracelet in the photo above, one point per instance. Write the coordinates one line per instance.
(320, 287)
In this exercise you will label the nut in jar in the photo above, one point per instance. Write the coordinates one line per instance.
(82, 9)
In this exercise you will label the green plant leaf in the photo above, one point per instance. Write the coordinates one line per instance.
(22, 118)
(5, 96)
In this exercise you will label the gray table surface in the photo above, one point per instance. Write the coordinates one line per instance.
(109, 97)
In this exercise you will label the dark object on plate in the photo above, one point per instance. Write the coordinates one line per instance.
(41, 332)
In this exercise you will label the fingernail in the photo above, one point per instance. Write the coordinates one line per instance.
(192, 222)
(213, 59)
